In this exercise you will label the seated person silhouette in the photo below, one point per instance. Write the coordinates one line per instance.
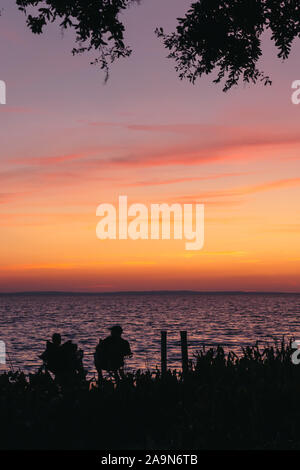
(51, 355)
(110, 353)
(71, 363)
(63, 360)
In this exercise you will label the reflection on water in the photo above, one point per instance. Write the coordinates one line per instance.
(234, 320)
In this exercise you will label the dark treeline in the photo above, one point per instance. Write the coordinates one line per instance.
(223, 402)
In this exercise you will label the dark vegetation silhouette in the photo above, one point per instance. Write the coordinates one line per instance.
(214, 35)
(225, 401)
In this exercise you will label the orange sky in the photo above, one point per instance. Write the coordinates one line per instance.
(69, 143)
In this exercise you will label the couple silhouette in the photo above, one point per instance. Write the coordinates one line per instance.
(65, 360)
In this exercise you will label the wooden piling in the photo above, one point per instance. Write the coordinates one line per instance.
(163, 344)
(184, 352)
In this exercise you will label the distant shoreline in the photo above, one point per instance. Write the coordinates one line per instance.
(147, 292)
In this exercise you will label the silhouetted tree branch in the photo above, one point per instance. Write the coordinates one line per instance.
(222, 35)
(96, 24)
(226, 35)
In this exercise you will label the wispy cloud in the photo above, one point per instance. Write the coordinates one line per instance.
(215, 253)
(17, 110)
(54, 160)
(182, 180)
(286, 228)
(9, 197)
(196, 145)
(242, 191)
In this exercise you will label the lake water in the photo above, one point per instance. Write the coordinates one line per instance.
(232, 320)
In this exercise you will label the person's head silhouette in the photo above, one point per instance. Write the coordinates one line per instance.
(116, 330)
(56, 339)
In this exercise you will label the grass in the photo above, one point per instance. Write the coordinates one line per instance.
(224, 402)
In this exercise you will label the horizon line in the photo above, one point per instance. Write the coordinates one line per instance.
(152, 292)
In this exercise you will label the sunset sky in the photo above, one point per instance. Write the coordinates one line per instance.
(69, 142)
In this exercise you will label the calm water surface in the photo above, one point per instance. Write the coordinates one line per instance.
(233, 320)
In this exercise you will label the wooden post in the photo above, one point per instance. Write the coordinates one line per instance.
(163, 343)
(184, 352)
